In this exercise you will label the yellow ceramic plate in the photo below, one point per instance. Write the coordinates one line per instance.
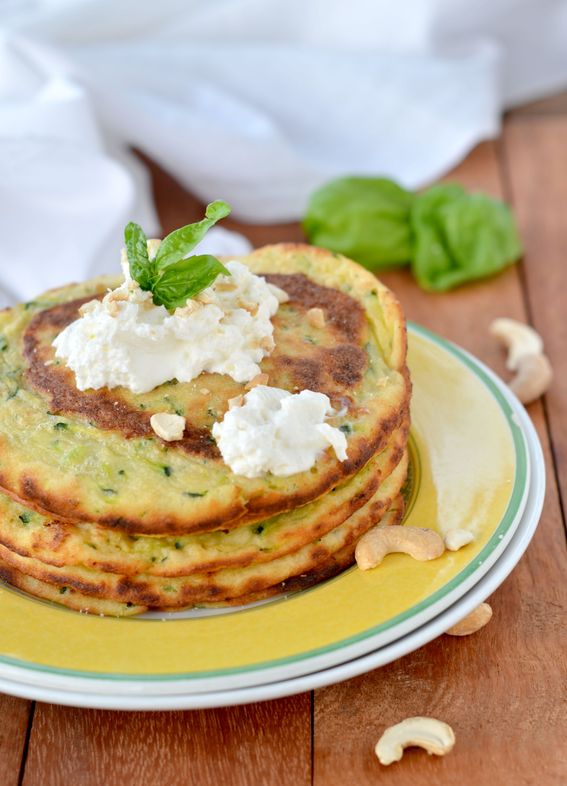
(469, 469)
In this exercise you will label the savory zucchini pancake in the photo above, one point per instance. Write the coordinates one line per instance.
(32, 534)
(199, 432)
(228, 583)
(92, 455)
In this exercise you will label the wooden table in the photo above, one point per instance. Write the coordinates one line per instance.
(503, 690)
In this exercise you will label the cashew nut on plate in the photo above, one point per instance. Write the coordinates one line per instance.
(474, 621)
(374, 545)
(428, 733)
(525, 356)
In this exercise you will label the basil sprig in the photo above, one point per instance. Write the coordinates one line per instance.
(172, 276)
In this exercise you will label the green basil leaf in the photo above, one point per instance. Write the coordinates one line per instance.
(431, 256)
(460, 237)
(185, 278)
(137, 251)
(364, 218)
(178, 244)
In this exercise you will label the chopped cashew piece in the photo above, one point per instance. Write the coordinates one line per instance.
(247, 305)
(189, 308)
(316, 317)
(474, 621)
(204, 298)
(519, 340)
(421, 544)
(237, 401)
(428, 733)
(455, 539)
(167, 426)
(532, 379)
(259, 379)
(267, 343)
(277, 292)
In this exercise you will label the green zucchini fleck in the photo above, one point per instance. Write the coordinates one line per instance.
(167, 471)
(109, 492)
(25, 518)
(60, 426)
(194, 493)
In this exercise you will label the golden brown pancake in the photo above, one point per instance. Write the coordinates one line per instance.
(31, 534)
(228, 583)
(92, 457)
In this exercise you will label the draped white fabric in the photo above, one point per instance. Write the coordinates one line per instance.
(253, 101)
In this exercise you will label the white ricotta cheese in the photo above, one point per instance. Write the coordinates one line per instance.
(277, 431)
(126, 340)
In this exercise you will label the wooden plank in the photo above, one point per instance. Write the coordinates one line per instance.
(502, 690)
(552, 105)
(536, 169)
(266, 743)
(13, 733)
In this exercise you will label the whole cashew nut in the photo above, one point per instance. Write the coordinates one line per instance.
(519, 340)
(374, 545)
(474, 621)
(525, 357)
(532, 379)
(428, 733)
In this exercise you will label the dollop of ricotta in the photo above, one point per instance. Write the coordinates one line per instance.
(277, 431)
(124, 339)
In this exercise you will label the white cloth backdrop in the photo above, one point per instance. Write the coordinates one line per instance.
(253, 101)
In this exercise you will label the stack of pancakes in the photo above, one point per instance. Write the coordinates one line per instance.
(99, 514)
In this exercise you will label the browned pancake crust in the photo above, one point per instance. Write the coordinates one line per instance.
(54, 533)
(330, 370)
(139, 592)
(69, 598)
(86, 604)
(328, 569)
